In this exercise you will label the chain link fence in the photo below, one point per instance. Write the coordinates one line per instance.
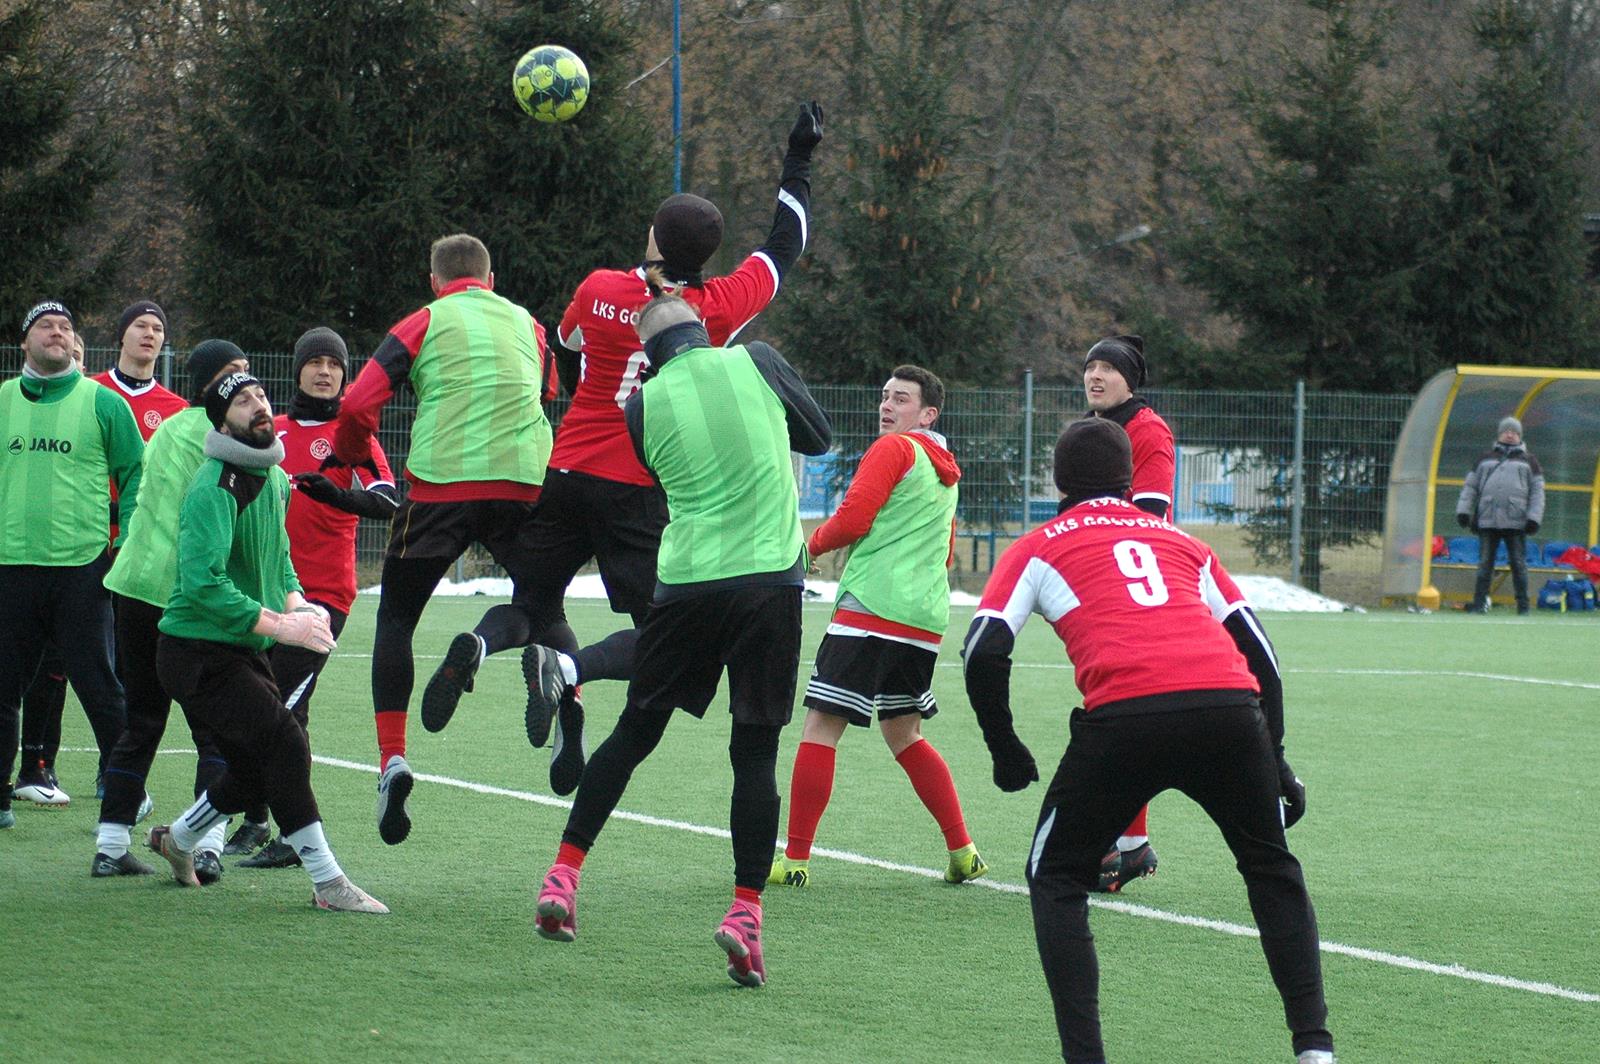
(1237, 483)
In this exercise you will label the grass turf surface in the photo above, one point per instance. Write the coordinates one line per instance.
(1452, 814)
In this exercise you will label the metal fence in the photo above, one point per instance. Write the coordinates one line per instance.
(1285, 483)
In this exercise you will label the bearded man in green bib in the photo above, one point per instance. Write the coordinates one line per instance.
(63, 441)
(715, 426)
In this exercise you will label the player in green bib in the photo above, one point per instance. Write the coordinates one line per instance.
(63, 441)
(893, 603)
(715, 426)
(141, 581)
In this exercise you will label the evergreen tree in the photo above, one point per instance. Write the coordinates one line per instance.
(907, 267)
(1315, 251)
(1505, 285)
(50, 172)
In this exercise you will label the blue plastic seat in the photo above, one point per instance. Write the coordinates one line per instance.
(1554, 550)
(1464, 550)
(1532, 553)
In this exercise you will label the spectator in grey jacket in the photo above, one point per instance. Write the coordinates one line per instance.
(1503, 502)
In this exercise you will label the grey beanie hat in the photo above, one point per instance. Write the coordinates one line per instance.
(1509, 424)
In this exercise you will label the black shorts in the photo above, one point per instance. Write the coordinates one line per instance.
(753, 632)
(579, 518)
(857, 677)
(447, 529)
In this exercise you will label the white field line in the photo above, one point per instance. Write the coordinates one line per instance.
(1394, 960)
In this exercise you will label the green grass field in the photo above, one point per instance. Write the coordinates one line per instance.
(1450, 846)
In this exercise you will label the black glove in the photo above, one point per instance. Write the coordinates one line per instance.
(1014, 767)
(1531, 527)
(807, 131)
(1292, 793)
(332, 462)
(1463, 520)
(318, 487)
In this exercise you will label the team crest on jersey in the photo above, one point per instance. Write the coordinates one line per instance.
(320, 448)
(152, 419)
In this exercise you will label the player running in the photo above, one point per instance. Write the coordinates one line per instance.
(325, 512)
(1180, 690)
(716, 426)
(235, 596)
(479, 447)
(599, 501)
(1113, 371)
(893, 604)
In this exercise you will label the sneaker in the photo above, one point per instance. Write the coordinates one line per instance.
(1315, 1056)
(182, 861)
(41, 791)
(394, 788)
(558, 904)
(740, 936)
(965, 864)
(126, 865)
(340, 895)
(1135, 864)
(8, 819)
(541, 668)
(147, 805)
(567, 753)
(275, 854)
(207, 866)
(451, 679)
(788, 873)
(247, 839)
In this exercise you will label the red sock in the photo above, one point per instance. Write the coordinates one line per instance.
(747, 894)
(810, 787)
(1140, 825)
(569, 854)
(391, 736)
(930, 778)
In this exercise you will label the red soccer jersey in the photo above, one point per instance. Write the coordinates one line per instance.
(1154, 458)
(593, 437)
(322, 540)
(151, 406)
(1137, 602)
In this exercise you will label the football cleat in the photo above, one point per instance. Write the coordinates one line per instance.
(340, 895)
(247, 839)
(451, 679)
(1110, 871)
(1315, 1056)
(567, 753)
(275, 854)
(207, 866)
(558, 904)
(147, 805)
(740, 937)
(8, 819)
(126, 865)
(965, 864)
(789, 873)
(541, 668)
(1131, 865)
(182, 861)
(394, 788)
(41, 790)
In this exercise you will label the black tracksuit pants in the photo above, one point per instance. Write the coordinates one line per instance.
(229, 690)
(68, 606)
(1223, 758)
(149, 705)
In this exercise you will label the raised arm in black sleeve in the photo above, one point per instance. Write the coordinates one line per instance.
(810, 432)
(791, 219)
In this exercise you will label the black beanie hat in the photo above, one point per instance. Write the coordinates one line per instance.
(316, 342)
(206, 361)
(144, 306)
(220, 395)
(1126, 356)
(688, 232)
(39, 310)
(1093, 456)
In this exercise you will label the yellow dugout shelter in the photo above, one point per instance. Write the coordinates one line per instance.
(1427, 557)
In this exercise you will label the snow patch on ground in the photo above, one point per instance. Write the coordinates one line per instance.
(1266, 593)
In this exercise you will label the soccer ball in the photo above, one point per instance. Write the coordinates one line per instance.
(550, 83)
